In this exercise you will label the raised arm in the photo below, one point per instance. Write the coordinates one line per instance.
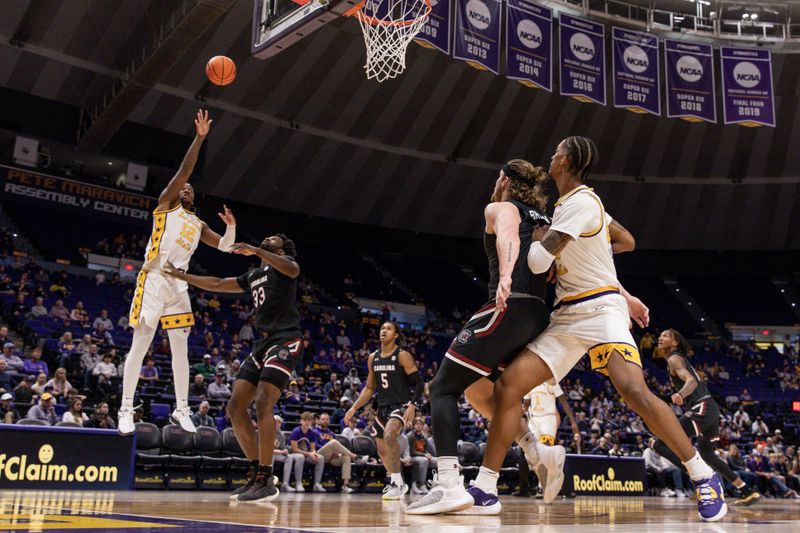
(169, 196)
(208, 283)
(502, 219)
(284, 265)
(677, 366)
(366, 393)
(212, 238)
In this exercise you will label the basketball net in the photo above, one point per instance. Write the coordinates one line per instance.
(388, 26)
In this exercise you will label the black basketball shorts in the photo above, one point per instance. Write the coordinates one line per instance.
(273, 359)
(386, 413)
(493, 338)
(702, 420)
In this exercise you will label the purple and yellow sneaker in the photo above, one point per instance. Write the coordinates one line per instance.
(710, 499)
(485, 504)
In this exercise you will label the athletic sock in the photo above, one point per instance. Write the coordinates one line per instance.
(266, 470)
(529, 443)
(487, 480)
(448, 468)
(397, 479)
(697, 468)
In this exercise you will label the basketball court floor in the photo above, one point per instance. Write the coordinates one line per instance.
(202, 511)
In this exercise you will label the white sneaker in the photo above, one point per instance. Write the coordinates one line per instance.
(183, 417)
(347, 489)
(125, 424)
(319, 488)
(552, 458)
(446, 496)
(287, 487)
(415, 489)
(681, 494)
(298, 487)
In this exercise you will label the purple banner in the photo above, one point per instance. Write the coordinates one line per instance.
(747, 86)
(436, 32)
(529, 44)
(583, 59)
(477, 39)
(635, 68)
(690, 81)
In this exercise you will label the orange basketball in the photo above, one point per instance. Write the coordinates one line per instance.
(221, 70)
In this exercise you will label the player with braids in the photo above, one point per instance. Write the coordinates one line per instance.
(592, 314)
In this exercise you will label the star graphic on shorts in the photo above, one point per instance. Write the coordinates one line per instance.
(627, 352)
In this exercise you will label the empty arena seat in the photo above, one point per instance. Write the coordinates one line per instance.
(160, 412)
(31, 422)
(66, 424)
(470, 457)
(374, 474)
(230, 446)
(182, 466)
(346, 442)
(213, 473)
(149, 460)
(148, 438)
(208, 441)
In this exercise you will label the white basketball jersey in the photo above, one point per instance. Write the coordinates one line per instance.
(175, 236)
(543, 400)
(585, 267)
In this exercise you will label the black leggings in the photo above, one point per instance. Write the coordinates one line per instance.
(706, 449)
(446, 388)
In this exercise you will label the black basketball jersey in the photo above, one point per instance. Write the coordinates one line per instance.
(274, 296)
(522, 279)
(699, 393)
(392, 382)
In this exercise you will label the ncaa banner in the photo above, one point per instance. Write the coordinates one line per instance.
(529, 44)
(477, 39)
(436, 31)
(747, 86)
(583, 59)
(690, 81)
(635, 68)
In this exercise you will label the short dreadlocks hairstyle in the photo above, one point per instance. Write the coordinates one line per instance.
(583, 155)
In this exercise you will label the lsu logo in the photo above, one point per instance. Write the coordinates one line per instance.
(747, 74)
(464, 336)
(529, 34)
(478, 14)
(689, 69)
(582, 47)
(635, 59)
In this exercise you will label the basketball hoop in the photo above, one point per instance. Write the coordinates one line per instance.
(388, 27)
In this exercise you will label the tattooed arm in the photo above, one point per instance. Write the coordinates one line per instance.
(502, 219)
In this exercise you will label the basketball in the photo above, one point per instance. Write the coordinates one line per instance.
(221, 70)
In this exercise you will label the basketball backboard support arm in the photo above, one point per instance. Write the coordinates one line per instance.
(278, 24)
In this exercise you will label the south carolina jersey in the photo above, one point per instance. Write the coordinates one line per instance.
(585, 267)
(176, 234)
(392, 382)
(274, 299)
(543, 399)
(699, 393)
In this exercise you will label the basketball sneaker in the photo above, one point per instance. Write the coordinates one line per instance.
(125, 424)
(486, 503)
(446, 496)
(183, 417)
(318, 488)
(710, 499)
(394, 492)
(748, 496)
(249, 480)
(552, 459)
(263, 489)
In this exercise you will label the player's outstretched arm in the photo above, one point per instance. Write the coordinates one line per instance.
(169, 196)
(284, 265)
(207, 283)
(212, 238)
(621, 239)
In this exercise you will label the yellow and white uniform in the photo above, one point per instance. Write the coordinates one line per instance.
(542, 415)
(176, 234)
(590, 314)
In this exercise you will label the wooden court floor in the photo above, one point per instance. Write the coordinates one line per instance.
(204, 511)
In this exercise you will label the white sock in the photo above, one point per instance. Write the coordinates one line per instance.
(179, 344)
(142, 337)
(397, 479)
(529, 444)
(448, 468)
(697, 468)
(487, 480)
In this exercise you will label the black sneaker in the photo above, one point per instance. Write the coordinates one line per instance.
(748, 496)
(262, 490)
(251, 478)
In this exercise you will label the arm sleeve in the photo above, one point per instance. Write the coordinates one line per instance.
(226, 241)
(419, 386)
(243, 281)
(579, 215)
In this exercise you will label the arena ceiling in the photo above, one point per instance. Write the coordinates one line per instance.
(306, 132)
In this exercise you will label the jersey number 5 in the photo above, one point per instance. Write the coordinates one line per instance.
(259, 296)
(384, 381)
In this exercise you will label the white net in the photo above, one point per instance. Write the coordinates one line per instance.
(388, 27)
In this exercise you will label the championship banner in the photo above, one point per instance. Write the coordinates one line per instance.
(601, 475)
(747, 94)
(529, 44)
(690, 81)
(477, 39)
(43, 189)
(635, 67)
(436, 31)
(583, 59)
(61, 458)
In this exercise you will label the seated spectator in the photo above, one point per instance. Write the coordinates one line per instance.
(198, 388)
(89, 360)
(100, 277)
(59, 310)
(103, 319)
(23, 392)
(35, 365)
(205, 368)
(66, 347)
(246, 333)
(477, 432)
(280, 454)
(149, 372)
(218, 389)
(13, 361)
(336, 391)
(230, 374)
(745, 397)
(74, 412)
(38, 309)
(40, 384)
(8, 415)
(78, 313)
(7, 380)
(352, 430)
(329, 385)
(59, 384)
(100, 418)
(342, 340)
(163, 347)
(418, 443)
(759, 426)
(602, 447)
(84, 344)
(304, 440)
(124, 322)
(334, 451)
(738, 466)
(102, 337)
(201, 417)
(617, 450)
(663, 471)
(418, 464)
(293, 396)
(201, 300)
(214, 304)
(105, 370)
(44, 410)
(760, 466)
(3, 335)
(338, 414)
(352, 392)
